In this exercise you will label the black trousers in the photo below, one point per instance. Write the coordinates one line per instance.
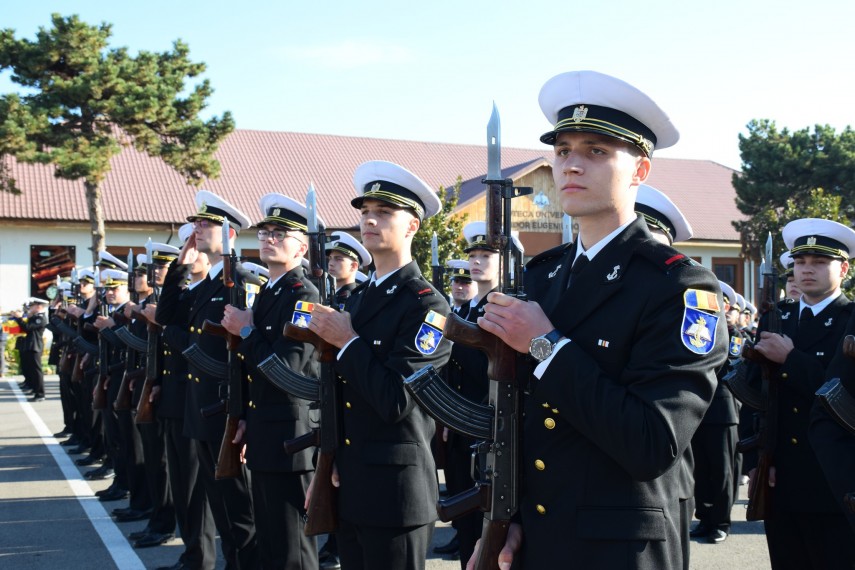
(458, 478)
(67, 399)
(131, 455)
(195, 521)
(231, 505)
(714, 449)
(377, 548)
(809, 541)
(31, 368)
(279, 499)
(162, 518)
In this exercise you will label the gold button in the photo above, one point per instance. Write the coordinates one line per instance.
(197, 380)
(346, 441)
(189, 376)
(549, 423)
(539, 465)
(165, 372)
(784, 375)
(554, 410)
(545, 404)
(347, 405)
(192, 329)
(252, 405)
(248, 379)
(541, 509)
(199, 331)
(795, 410)
(794, 441)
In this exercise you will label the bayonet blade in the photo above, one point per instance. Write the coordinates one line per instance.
(227, 250)
(312, 209)
(434, 250)
(768, 252)
(494, 146)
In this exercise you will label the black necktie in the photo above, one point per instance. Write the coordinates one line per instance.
(578, 265)
(805, 316)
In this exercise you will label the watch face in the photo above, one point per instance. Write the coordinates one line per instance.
(540, 349)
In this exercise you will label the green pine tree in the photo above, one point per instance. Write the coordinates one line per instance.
(82, 102)
(449, 232)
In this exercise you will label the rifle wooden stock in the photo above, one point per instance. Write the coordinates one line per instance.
(123, 396)
(760, 493)
(216, 329)
(326, 351)
(305, 441)
(228, 461)
(99, 394)
(322, 514)
(66, 364)
(501, 359)
(476, 498)
(77, 370)
(494, 533)
(145, 408)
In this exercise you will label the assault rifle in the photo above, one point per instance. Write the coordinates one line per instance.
(123, 396)
(322, 514)
(145, 408)
(99, 394)
(496, 488)
(759, 493)
(228, 460)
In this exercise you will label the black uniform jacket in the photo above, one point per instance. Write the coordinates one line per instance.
(799, 479)
(273, 416)
(174, 303)
(608, 423)
(203, 390)
(388, 477)
(34, 326)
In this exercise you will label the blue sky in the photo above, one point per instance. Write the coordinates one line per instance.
(430, 71)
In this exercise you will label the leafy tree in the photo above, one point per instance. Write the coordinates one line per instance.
(449, 231)
(82, 103)
(785, 176)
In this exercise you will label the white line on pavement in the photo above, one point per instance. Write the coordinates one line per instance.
(113, 539)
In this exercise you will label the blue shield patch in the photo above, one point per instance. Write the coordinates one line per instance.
(301, 319)
(427, 339)
(735, 346)
(698, 333)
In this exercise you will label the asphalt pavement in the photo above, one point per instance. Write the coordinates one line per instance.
(50, 518)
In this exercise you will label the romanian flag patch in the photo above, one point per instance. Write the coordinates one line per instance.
(700, 318)
(430, 333)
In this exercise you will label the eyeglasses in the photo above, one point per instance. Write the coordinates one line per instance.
(277, 235)
(203, 223)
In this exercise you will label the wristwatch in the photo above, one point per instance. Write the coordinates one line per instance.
(540, 348)
(245, 331)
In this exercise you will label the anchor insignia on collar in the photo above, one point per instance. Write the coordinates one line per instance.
(614, 274)
(391, 290)
(554, 273)
(829, 321)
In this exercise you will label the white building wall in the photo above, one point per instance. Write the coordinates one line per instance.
(15, 242)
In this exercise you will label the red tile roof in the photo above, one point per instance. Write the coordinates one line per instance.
(257, 162)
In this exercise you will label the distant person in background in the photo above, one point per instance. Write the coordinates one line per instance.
(32, 346)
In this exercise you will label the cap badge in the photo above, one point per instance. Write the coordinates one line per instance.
(203, 208)
(276, 212)
(811, 241)
(579, 113)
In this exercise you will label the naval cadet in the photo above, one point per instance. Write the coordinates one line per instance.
(392, 328)
(194, 517)
(640, 350)
(230, 499)
(806, 528)
(462, 287)
(30, 351)
(345, 255)
(272, 416)
(791, 290)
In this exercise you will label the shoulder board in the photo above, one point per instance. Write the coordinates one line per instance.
(662, 256)
(548, 254)
(420, 287)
